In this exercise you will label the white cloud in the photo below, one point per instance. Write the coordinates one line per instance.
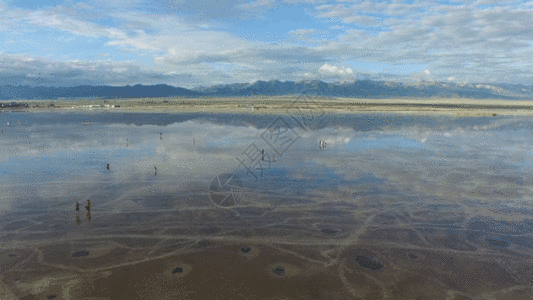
(257, 5)
(302, 32)
(77, 27)
(338, 27)
(456, 41)
(467, 40)
(422, 76)
(304, 35)
(27, 70)
(326, 68)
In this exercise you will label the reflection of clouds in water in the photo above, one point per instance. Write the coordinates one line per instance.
(57, 166)
(451, 161)
(453, 164)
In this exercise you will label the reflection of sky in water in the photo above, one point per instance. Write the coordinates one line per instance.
(382, 142)
(427, 195)
(46, 155)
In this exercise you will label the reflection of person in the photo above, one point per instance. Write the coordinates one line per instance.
(78, 220)
(88, 215)
(88, 206)
(77, 206)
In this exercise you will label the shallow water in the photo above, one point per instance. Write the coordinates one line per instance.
(441, 204)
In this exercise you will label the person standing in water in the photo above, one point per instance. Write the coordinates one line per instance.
(77, 206)
(108, 166)
(88, 206)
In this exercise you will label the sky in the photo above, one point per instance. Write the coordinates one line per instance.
(191, 43)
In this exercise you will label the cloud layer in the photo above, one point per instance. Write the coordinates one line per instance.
(190, 43)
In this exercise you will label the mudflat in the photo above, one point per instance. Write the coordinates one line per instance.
(208, 253)
(280, 104)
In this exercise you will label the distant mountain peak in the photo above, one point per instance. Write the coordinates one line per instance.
(364, 88)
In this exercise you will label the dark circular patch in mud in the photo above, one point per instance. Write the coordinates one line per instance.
(246, 249)
(329, 231)
(80, 253)
(176, 269)
(498, 242)
(412, 255)
(51, 296)
(368, 262)
(12, 255)
(279, 270)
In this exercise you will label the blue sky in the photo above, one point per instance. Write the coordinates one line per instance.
(190, 43)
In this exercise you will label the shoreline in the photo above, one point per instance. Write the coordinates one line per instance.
(280, 105)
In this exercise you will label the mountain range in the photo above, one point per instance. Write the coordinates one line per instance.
(136, 91)
(355, 89)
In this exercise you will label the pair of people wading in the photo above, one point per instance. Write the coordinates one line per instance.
(88, 206)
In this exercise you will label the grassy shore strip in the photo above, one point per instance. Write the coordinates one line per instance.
(270, 105)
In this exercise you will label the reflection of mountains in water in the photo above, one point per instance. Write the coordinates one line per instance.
(357, 122)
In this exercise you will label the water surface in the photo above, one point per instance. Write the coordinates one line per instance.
(394, 206)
